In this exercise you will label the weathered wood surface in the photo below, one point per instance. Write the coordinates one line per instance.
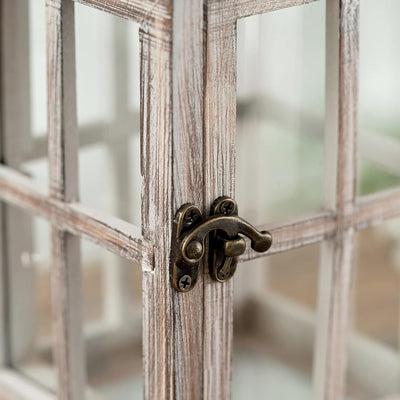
(376, 208)
(156, 167)
(66, 276)
(246, 8)
(341, 137)
(304, 230)
(111, 233)
(219, 173)
(172, 166)
(145, 12)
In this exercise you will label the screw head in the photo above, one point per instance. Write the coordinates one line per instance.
(191, 215)
(227, 207)
(185, 283)
(194, 250)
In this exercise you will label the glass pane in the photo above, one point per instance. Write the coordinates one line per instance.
(374, 359)
(28, 263)
(112, 315)
(24, 111)
(275, 303)
(379, 120)
(108, 112)
(280, 112)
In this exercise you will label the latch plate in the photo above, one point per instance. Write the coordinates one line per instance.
(224, 225)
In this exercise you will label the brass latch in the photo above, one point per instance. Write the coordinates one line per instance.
(225, 245)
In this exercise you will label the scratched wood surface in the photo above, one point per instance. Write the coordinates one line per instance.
(66, 277)
(188, 118)
(341, 138)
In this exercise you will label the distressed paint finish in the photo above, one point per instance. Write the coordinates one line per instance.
(172, 166)
(145, 12)
(114, 234)
(156, 141)
(188, 119)
(219, 164)
(66, 276)
(336, 261)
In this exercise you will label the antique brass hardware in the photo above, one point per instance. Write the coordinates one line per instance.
(224, 226)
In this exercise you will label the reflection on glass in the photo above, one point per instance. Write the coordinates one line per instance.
(379, 120)
(280, 112)
(275, 302)
(112, 323)
(374, 359)
(108, 112)
(28, 264)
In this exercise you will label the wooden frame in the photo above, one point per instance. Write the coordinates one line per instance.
(188, 102)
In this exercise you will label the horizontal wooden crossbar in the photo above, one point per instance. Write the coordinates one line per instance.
(247, 8)
(140, 11)
(126, 240)
(112, 233)
(307, 229)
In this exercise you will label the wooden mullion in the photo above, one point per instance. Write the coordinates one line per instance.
(304, 230)
(63, 152)
(247, 8)
(219, 173)
(156, 167)
(145, 12)
(336, 262)
(172, 169)
(114, 234)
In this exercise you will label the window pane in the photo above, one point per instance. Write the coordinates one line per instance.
(374, 359)
(24, 104)
(28, 264)
(113, 325)
(280, 113)
(379, 120)
(108, 112)
(275, 303)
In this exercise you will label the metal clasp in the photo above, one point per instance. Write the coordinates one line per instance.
(224, 226)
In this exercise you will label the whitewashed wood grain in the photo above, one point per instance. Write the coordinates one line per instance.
(145, 12)
(219, 179)
(301, 231)
(172, 166)
(247, 8)
(66, 275)
(336, 261)
(116, 235)
(156, 167)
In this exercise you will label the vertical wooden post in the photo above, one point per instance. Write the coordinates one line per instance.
(219, 179)
(172, 167)
(336, 261)
(63, 152)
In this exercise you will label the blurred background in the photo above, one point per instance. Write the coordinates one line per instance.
(280, 171)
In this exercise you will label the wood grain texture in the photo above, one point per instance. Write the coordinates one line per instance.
(341, 138)
(304, 230)
(219, 179)
(156, 167)
(172, 166)
(375, 208)
(145, 12)
(188, 183)
(115, 235)
(246, 8)
(66, 276)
